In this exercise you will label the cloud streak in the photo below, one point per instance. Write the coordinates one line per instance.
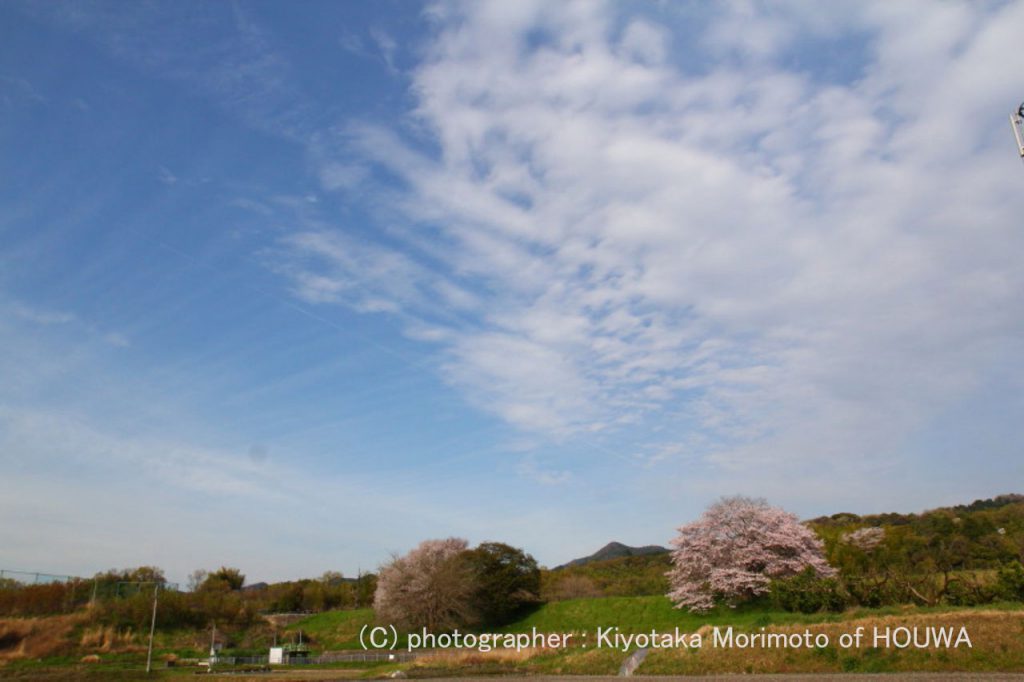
(766, 260)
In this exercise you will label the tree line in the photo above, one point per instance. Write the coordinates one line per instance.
(123, 598)
(740, 551)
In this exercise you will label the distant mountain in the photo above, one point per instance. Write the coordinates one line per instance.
(615, 550)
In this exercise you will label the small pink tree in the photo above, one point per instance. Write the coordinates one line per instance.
(735, 549)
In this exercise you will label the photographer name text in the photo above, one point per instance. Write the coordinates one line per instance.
(899, 637)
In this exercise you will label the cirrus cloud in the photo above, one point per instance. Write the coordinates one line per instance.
(786, 262)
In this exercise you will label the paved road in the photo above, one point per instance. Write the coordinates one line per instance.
(325, 676)
(349, 675)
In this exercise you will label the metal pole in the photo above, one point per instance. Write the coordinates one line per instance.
(152, 627)
(1015, 123)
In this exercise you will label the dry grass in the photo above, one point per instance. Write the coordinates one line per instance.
(454, 658)
(283, 620)
(997, 638)
(107, 639)
(36, 637)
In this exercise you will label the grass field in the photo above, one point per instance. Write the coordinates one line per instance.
(641, 614)
(339, 630)
(334, 630)
(996, 633)
(55, 649)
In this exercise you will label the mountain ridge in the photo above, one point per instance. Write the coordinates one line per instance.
(615, 550)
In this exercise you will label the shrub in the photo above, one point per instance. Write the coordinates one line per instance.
(1010, 581)
(807, 592)
(966, 591)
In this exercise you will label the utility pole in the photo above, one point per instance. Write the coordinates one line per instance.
(213, 644)
(1017, 122)
(152, 621)
(152, 628)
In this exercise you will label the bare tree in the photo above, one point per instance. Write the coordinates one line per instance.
(196, 579)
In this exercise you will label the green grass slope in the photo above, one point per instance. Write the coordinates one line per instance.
(642, 614)
(333, 630)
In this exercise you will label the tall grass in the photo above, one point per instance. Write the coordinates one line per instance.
(32, 638)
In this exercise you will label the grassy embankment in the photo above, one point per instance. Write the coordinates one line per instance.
(997, 634)
(54, 648)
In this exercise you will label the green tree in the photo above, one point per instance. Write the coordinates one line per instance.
(224, 578)
(507, 582)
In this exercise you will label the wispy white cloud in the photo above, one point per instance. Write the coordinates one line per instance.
(48, 318)
(387, 46)
(529, 468)
(117, 339)
(793, 266)
(379, 45)
(82, 441)
(39, 316)
(331, 267)
(166, 176)
(49, 438)
(15, 91)
(351, 42)
(335, 176)
(239, 70)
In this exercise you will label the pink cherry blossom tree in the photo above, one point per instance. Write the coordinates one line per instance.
(735, 549)
(431, 587)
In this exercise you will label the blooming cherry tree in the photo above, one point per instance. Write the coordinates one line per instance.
(735, 549)
(429, 587)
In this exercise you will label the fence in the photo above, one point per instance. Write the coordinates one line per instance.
(32, 578)
(346, 656)
(326, 657)
(30, 593)
(33, 593)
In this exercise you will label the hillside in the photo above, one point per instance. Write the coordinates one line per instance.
(615, 550)
(897, 519)
(982, 535)
(626, 576)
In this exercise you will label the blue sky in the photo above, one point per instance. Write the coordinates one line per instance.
(292, 287)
